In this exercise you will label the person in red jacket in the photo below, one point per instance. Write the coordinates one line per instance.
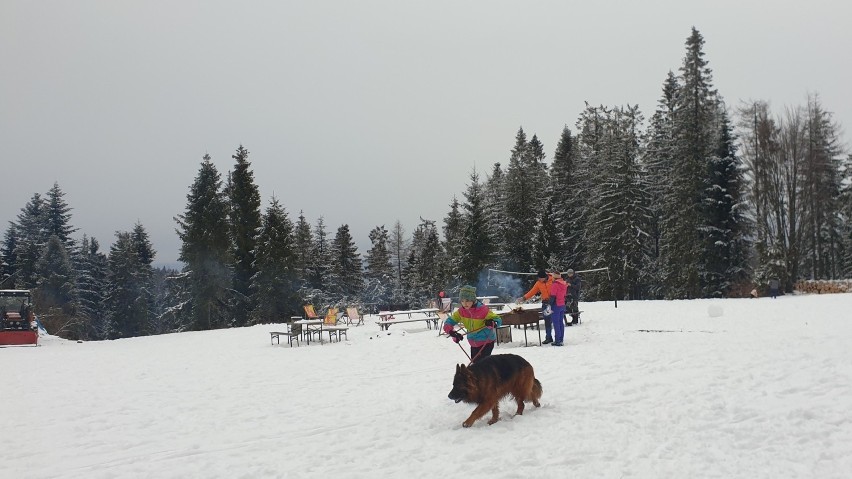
(542, 288)
(558, 290)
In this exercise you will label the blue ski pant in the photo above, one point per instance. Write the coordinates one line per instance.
(548, 324)
(558, 324)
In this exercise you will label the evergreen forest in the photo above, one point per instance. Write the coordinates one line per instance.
(699, 200)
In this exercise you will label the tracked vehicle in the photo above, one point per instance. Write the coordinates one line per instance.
(18, 324)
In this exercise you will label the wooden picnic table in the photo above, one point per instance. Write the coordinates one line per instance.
(306, 331)
(487, 299)
(496, 306)
(386, 318)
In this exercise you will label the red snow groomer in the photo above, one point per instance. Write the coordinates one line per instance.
(17, 320)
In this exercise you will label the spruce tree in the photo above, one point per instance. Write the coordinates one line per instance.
(685, 220)
(657, 160)
(618, 214)
(173, 301)
(56, 292)
(129, 301)
(31, 239)
(534, 163)
(144, 248)
(320, 263)
(562, 169)
(726, 236)
(423, 277)
(564, 205)
(346, 270)
(9, 258)
(90, 269)
(145, 273)
(166, 301)
(547, 240)
(432, 277)
(495, 212)
(543, 238)
(58, 217)
(590, 144)
(244, 218)
(410, 278)
(399, 247)
(303, 243)
(523, 204)
(378, 270)
(276, 283)
(453, 236)
(477, 249)
(203, 229)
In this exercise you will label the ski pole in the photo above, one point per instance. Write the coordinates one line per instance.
(465, 352)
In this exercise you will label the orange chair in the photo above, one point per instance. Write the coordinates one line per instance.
(310, 313)
(353, 317)
(330, 325)
(330, 317)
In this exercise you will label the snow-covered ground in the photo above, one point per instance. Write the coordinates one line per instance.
(736, 388)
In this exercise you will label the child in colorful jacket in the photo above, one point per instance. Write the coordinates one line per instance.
(558, 290)
(479, 321)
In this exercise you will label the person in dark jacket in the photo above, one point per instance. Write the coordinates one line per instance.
(572, 301)
(773, 287)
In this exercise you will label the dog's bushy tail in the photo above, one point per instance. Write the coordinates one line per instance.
(536, 389)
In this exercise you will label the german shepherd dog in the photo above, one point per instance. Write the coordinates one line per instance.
(488, 380)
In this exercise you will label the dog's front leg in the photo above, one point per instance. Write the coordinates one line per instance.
(476, 414)
(495, 414)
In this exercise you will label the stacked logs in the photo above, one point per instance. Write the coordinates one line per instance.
(824, 286)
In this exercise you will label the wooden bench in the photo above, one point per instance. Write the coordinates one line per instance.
(384, 325)
(276, 335)
(338, 330)
(431, 317)
(293, 333)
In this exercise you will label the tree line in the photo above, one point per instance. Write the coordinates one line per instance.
(699, 202)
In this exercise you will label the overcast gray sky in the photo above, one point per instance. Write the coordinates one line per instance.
(363, 112)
